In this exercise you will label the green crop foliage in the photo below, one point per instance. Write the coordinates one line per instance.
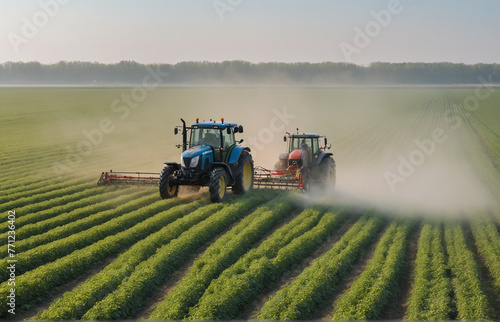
(25, 192)
(219, 256)
(379, 282)
(25, 224)
(319, 280)
(430, 295)
(76, 303)
(29, 236)
(126, 215)
(472, 303)
(37, 283)
(72, 189)
(133, 292)
(239, 284)
(488, 243)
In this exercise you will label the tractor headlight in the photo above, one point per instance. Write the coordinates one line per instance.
(194, 162)
(183, 164)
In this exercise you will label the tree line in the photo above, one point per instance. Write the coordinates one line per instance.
(243, 72)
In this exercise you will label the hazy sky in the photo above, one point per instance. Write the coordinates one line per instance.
(168, 31)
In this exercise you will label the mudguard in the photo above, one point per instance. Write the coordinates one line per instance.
(227, 168)
(235, 153)
(175, 165)
(323, 155)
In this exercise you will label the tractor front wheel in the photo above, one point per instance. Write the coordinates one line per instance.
(167, 188)
(243, 178)
(217, 185)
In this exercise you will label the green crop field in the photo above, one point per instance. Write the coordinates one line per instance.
(411, 231)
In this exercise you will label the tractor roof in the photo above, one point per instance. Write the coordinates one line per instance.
(305, 135)
(213, 125)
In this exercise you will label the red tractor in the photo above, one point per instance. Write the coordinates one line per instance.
(306, 165)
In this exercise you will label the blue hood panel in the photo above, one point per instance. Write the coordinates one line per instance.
(196, 151)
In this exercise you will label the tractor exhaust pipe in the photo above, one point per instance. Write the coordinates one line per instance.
(184, 135)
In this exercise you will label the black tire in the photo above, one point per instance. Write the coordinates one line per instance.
(328, 173)
(217, 185)
(167, 189)
(243, 174)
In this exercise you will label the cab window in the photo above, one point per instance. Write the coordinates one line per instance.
(295, 144)
(228, 139)
(204, 136)
(315, 146)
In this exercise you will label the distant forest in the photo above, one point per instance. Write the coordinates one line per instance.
(243, 72)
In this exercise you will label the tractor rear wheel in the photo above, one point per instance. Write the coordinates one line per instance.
(167, 188)
(328, 173)
(243, 178)
(217, 185)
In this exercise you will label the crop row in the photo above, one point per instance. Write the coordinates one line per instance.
(32, 286)
(240, 284)
(64, 198)
(472, 303)
(45, 188)
(21, 179)
(13, 204)
(25, 215)
(40, 222)
(34, 213)
(321, 278)
(488, 244)
(133, 292)
(27, 187)
(219, 256)
(70, 223)
(127, 216)
(75, 303)
(379, 282)
(430, 294)
(19, 157)
(36, 163)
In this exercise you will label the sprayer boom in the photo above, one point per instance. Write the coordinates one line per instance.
(130, 178)
(289, 178)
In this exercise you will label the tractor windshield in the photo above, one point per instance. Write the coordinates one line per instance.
(205, 136)
(310, 144)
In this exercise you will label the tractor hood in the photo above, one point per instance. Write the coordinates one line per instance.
(191, 157)
(196, 151)
(297, 154)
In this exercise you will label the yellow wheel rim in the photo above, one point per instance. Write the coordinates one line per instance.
(171, 188)
(222, 186)
(247, 176)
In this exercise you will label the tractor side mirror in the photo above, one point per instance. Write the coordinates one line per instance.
(284, 138)
(326, 141)
(176, 131)
(228, 130)
(240, 141)
(240, 129)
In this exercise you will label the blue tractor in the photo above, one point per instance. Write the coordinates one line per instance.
(211, 157)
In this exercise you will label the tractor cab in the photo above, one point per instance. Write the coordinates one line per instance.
(215, 137)
(208, 142)
(304, 149)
